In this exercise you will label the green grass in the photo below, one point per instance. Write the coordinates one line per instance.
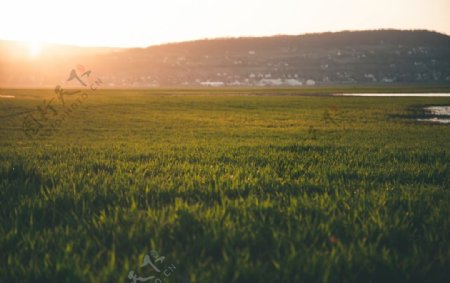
(229, 188)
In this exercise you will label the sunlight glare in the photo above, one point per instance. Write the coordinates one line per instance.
(35, 48)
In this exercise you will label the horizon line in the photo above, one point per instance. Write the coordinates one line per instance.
(222, 38)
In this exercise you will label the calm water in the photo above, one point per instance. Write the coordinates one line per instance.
(394, 94)
(438, 114)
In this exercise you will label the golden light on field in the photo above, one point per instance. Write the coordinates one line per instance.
(135, 23)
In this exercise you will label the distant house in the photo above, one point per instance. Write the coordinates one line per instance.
(293, 82)
(388, 80)
(310, 83)
(213, 84)
(270, 82)
(370, 77)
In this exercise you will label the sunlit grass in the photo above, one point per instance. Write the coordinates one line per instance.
(229, 188)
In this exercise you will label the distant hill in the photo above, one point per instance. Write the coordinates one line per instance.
(363, 57)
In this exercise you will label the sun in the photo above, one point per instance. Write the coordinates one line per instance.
(34, 48)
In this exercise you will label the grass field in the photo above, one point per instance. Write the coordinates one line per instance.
(227, 187)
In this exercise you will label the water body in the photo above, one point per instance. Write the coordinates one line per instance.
(394, 94)
(438, 114)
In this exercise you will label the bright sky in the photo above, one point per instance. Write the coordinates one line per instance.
(146, 22)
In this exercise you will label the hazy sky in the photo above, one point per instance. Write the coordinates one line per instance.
(142, 23)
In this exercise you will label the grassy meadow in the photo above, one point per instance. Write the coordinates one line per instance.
(227, 186)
